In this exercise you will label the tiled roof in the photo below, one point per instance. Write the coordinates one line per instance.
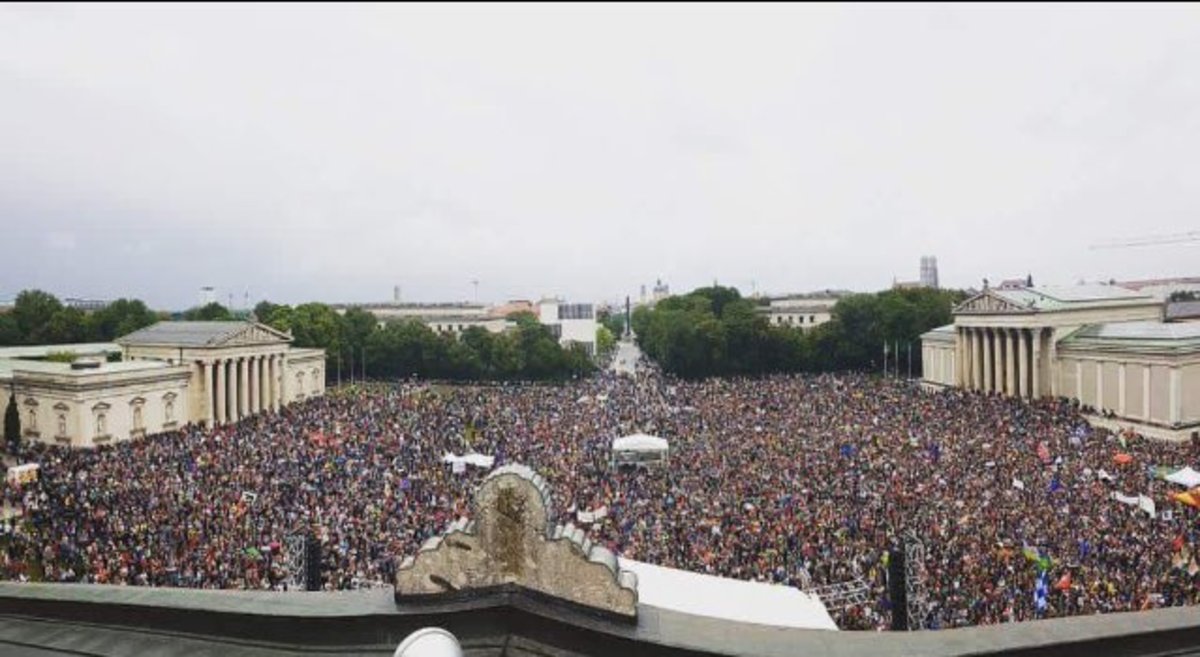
(187, 334)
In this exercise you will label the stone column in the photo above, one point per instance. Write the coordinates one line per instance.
(958, 357)
(1121, 389)
(254, 398)
(987, 360)
(243, 388)
(210, 413)
(1174, 411)
(1023, 363)
(1052, 361)
(264, 400)
(1146, 391)
(1037, 363)
(976, 360)
(1100, 385)
(221, 391)
(1010, 383)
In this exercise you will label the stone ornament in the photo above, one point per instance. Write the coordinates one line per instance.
(509, 542)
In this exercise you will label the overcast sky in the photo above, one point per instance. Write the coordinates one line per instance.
(330, 152)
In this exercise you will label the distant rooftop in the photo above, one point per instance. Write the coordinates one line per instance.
(1057, 297)
(184, 334)
(44, 350)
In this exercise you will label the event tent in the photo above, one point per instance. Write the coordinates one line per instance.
(640, 448)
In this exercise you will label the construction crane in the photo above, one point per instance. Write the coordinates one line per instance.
(1177, 238)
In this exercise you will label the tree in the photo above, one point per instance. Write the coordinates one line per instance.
(12, 423)
(1183, 295)
(32, 312)
(10, 333)
(121, 317)
(213, 312)
(605, 341)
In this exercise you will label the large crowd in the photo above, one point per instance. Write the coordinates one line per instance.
(801, 480)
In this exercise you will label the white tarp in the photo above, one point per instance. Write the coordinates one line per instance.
(1186, 477)
(732, 599)
(588, 517)
(459, 463)
(1143, 502)
(640, 442)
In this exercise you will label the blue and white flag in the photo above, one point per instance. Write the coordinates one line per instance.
(1040, 592)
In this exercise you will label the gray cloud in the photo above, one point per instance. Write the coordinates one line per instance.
(331, 151)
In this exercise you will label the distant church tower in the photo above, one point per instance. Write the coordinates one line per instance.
(929, 276)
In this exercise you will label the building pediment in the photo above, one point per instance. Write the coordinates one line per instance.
(991, 304)
(254, 334)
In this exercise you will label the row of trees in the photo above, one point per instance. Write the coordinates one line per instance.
(39, 317)
(356, 341)
(713, 331)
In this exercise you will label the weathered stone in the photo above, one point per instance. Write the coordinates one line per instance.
(511, 542)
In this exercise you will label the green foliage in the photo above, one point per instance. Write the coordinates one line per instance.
(713, 331)
(61, 357)
(1183, 295)
(32, 313)
(39, 318)
(213, 312)
(121, 317)
(12, 423)
(606, 342)
(613, 321)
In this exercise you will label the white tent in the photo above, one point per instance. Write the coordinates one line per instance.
(1185, 477)
(640, 442)
(640, 449)
(720, 597)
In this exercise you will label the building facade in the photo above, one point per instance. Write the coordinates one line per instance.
(804, 312)
(171, 374)
(572, 323)
(1105, 346)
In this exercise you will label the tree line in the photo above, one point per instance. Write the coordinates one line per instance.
(39, 318)
(356, 341)
(714, 331)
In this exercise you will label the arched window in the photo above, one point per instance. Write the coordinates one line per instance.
(101, 424)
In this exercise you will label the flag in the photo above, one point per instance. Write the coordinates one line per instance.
(1040, 591)
(1055, 485)
(1064, 582)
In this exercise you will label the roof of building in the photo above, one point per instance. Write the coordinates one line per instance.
(192, 334)
(44, 350)
(84, 619)
(1157, 282)
(9, 366)
(940, 333)
(1050, 298)
(1138, 336)
(1181, 310)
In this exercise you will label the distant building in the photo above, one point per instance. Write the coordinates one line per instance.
(86, 305)
(1106, 346)
(570, 322)
(928, 277)
(804, 311)
(172, 374)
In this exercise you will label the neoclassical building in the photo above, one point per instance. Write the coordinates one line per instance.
(171, 373)
(1106, 346)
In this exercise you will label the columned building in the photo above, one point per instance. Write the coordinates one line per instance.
(1105, 346)
(237, 369)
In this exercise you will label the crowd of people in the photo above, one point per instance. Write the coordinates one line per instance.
(801, 480)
